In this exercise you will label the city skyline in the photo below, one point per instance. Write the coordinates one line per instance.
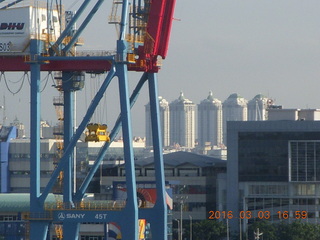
(54, 120)
(250, 47)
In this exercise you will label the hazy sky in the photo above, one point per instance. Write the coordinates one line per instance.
(227, 46)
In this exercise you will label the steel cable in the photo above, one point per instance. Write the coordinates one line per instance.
(6, 82)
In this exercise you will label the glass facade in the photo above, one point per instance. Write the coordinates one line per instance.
(263, 156)
(268, 190)
(282, 209)
(304, 161)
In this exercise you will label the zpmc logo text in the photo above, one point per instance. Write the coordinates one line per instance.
(11, 26)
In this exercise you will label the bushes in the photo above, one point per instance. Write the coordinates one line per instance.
(278, 231)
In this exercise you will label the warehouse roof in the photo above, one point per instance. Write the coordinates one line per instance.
(181, 158)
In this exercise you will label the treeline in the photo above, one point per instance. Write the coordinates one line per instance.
(215, 230)
(296, 230)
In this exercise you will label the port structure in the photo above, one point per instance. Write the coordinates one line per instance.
(148, 24)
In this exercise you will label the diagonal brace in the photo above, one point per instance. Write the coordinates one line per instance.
(76, 136)
(81, 191)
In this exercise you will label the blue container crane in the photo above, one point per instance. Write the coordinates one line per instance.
(140, 53)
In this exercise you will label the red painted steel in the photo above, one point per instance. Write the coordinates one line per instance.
(156, 44)
(159, 27)
(19, 63)
(154, 26)
(166, 28)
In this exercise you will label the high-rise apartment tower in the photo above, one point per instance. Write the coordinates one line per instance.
(234, 108)
(182, 122)
(257, 108)
(164, 121)
(210, 121)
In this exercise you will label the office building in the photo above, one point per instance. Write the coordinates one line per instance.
(234, 108)
(210, 121)
(182, 122)
(273, 171)
(164, 123)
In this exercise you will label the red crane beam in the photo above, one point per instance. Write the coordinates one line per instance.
(159, 27)
(20, 63)
(166, 27)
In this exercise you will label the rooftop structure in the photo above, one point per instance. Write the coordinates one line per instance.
(294, 114)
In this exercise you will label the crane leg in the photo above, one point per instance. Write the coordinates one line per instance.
(71, 231)
(158, 220)
(130, 218)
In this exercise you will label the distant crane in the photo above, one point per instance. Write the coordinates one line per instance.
(144, 33)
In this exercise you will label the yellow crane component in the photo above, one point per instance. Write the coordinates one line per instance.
(59, 231)
(97, 133)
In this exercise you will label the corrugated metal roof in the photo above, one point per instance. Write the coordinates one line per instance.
(180, 158)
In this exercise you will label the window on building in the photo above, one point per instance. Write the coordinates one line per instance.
(263, 156)
(169, 172)
(304, 161)
(305, 189)
(188, 172)
(268, 189)
(8, 218)
(91, 238)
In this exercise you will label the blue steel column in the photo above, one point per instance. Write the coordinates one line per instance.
(159, 218)
(70, 230)
(129, 223)
(38, 229)
(68, 133)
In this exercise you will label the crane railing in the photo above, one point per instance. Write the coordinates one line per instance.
(92, 205)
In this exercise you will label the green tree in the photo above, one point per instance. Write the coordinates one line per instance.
(209, 230)
(278, 231)
(299, 230)
(268, 229)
